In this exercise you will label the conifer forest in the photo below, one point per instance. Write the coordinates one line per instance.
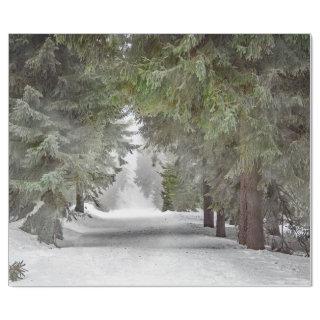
(159, 160)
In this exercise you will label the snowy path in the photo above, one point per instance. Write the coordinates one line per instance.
(146, 247)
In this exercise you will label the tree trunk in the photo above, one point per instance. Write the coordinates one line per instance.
(242, 218)
(221, 228)
(79, 200)
(208, 215)
(251, 222)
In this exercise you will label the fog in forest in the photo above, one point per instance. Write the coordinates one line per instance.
(124, 193)
(160, 159)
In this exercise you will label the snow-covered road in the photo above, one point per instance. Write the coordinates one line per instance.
(142, 247)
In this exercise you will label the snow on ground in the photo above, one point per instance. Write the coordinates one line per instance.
(145, 247)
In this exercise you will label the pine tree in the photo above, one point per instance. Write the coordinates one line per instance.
(145, 174)
(64, 104)
(109, 199)
(37, 155)
(171, 142)
(223, 86)
(169, 184)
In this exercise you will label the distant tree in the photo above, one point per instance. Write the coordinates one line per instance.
(169, 185)
(144, 174)
(109, 199)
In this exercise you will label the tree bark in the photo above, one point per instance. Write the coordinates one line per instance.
(242, 218)
(250, 222)
(79, 200)
(208, 215)
(221, 227)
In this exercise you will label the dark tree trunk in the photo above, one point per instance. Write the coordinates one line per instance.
(242, 214)
(79, 200)
(208, 215)
(242, 218)
(221, 227)
(250, 222)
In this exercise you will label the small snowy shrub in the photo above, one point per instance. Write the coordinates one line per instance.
(45, 223)
(17, 271)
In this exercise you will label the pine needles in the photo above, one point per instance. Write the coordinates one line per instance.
(17, 271)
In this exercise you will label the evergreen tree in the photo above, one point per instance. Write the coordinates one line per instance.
(145, 174)
(170, 140)
(222, 85)
(66, 131)
(110, 197)
(148, 176)
(169, 185)
(36, 146)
